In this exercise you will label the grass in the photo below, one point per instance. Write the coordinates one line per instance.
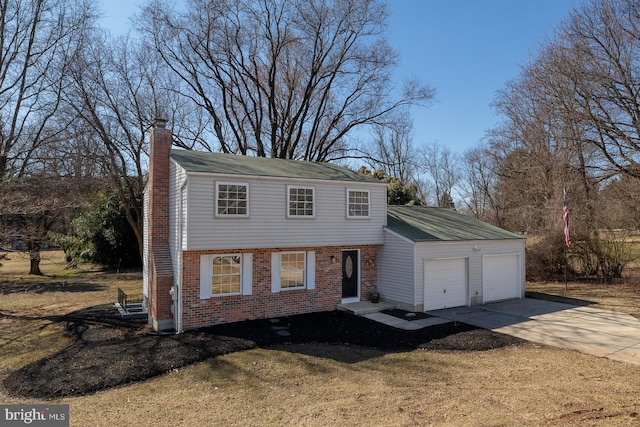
(320, 384)
(622, 296)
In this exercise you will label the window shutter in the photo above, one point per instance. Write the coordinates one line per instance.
(311, 270)
(247, 274)
(206, 272)
(275, 272)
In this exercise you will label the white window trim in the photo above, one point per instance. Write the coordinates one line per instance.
(313, 195)
(217, 190)
(206, 275)
(309, 271)
(347, 205)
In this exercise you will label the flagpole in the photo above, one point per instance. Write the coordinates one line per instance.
(565, 268)
(567, 235)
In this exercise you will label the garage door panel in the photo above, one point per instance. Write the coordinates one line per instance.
(445, 283)
(501, 277)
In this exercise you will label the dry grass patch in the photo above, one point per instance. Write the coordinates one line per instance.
(30, 304)
(60, 290)
(319, 385)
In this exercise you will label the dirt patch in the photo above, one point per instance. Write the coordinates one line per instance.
(108, 351)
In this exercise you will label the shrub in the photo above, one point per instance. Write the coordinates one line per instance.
(545, 257)
(101, 236)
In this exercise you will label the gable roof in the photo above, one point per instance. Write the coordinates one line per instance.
(424, 224)
(233, 164)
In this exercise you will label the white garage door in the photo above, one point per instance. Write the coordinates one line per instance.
(501, 277)
(445, 283)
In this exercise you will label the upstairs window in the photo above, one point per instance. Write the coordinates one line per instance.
(301, 202)
(232, 199)
(358, 204)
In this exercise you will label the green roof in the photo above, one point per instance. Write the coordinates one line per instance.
(232, 164)
(424, 224)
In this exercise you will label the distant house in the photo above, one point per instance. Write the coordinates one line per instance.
(230, 238)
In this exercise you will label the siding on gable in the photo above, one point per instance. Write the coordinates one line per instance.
(395, 270)
(268, 226)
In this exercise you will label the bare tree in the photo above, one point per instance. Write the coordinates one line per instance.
(36, 38)
(282, 78)
(110, 99)
(392, 149)
(599, 49)
(441, 168)
(479, 184)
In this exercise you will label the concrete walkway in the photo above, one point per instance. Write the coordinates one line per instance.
(589, 330)
(372, 311)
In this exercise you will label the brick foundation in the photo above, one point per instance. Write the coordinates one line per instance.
(262, 303)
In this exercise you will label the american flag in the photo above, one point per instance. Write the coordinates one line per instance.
(565, 217)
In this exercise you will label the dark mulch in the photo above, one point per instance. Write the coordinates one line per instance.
(558, 298)
(108, 351)
(406, 315)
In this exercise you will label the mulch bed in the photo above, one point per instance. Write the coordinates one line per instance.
(406, 315)
(108, 351)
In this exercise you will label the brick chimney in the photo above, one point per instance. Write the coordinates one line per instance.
(159, 268)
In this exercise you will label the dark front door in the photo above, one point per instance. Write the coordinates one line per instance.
(350, 274)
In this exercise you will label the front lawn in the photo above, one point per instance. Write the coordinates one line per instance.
(313, 383)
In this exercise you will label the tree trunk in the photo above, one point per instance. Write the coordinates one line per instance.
(34, 256)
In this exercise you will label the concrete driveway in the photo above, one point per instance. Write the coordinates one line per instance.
(589, 330)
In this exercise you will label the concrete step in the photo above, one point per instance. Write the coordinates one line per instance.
(365, 307)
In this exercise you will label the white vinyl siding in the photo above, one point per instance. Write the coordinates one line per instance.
(293, 270)
(358, 204)
(401, 266)
(177, 214)
(395, 270)
(225, 274)
(268, 225)
(300, 202)
(232, 199)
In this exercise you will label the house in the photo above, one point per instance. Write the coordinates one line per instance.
(231, 238)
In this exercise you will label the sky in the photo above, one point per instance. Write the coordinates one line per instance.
(466, 49)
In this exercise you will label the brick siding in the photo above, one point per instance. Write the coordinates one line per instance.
(262, 303)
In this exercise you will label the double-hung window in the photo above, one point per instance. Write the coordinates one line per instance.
(293, 270)
(232, 199)
(225, 275)
(300, 202)
(358, 204)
